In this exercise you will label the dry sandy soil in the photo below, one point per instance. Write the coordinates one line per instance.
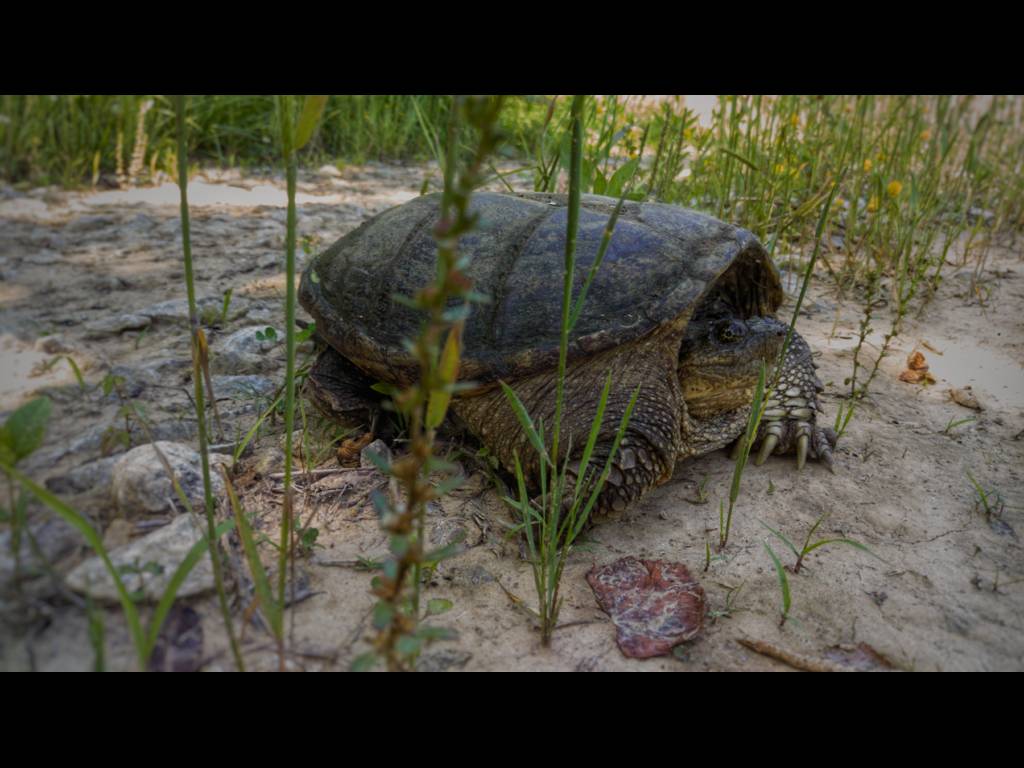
(946, 594)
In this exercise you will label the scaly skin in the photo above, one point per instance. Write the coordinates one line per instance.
(696, 387)
(788, 423)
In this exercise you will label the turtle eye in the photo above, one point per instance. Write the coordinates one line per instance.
(731, 330)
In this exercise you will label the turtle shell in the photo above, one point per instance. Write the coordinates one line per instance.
(661, 263)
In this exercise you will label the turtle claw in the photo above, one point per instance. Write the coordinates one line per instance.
(801, 452)
(824, 442)
(805, 439)
(766, 449)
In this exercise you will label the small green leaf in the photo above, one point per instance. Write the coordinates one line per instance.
(378, 461)
(408, 645)
(443, 553)
(448, 370)
(314, 277)
(617, 183)
(381, 504)
(382, 615)
(399, 545)
(447, 486)
(436, 606)
(365, 662)
(23, 431)
(434, 464)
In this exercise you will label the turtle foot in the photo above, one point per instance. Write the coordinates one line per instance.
(800, 436)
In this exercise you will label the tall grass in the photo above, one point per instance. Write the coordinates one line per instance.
(552, 523)
(75, 140)
(200, 366)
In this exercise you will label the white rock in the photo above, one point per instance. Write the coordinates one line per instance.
(156, 557)
(117, 324)
(141, 486)
(242, 352)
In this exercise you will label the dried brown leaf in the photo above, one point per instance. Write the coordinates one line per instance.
(916, 361)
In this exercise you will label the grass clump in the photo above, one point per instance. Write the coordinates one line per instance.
(808, 547)
(553, 524)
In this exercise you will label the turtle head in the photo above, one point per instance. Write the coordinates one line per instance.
(720, 360)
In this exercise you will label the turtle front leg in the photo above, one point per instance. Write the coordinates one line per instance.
(789, 423)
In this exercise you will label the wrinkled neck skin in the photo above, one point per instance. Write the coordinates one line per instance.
(719, 363)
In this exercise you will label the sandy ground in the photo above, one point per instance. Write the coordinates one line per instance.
(947, 593)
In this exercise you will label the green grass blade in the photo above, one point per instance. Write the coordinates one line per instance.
(783, 582)
(850, 542)
(595, 429)
(264, 592)
(781, 538)
(525, 422)
(309, 119)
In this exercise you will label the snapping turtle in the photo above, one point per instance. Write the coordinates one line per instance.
(682, 305)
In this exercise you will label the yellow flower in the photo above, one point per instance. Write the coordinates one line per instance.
(873, 204)
(780, 168)
(867, 165)
(925, 135)
(894, 189)
(838, 202)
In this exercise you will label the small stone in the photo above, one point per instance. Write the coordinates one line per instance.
(443, 660)
(118, 324)
(244, 352)
(147, 565)
(56, 539)
(176, 310)
(446, 531)
(54, 344)
(141, 486)
(92, 475)
(141, 224)
(377, 447)
(164, 371)
(42, 258)
(264, 315)
(240, 387)
(966, 398)
(91, 223)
